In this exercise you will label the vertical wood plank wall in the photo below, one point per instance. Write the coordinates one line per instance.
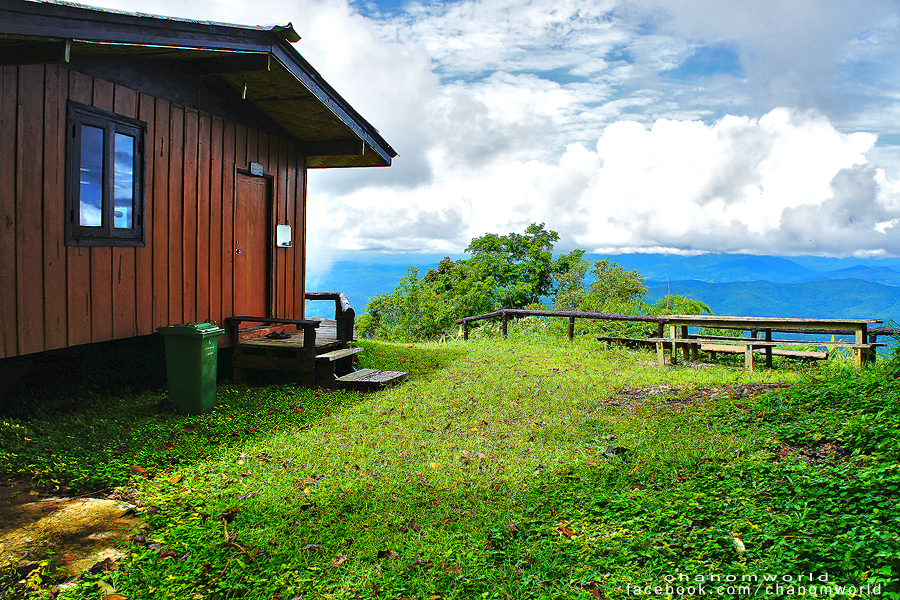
(53, 295)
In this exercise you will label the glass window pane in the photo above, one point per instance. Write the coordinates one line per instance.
(123, 184)
(91, 193)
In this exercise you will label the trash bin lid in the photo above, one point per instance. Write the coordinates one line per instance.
(192, 329)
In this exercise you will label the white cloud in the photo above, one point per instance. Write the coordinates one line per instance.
(602, 119)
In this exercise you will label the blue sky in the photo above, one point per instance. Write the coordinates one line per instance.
(689, 126)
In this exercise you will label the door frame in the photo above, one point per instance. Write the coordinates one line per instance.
(270, 233)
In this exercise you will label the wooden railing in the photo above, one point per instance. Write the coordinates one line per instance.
(344, 314)
(506, 313)
(661, 322)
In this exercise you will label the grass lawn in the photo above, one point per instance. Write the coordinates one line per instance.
(524, 468)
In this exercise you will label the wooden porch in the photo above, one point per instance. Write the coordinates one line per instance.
(318, 351)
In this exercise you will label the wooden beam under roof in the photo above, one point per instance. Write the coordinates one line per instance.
(35, 53)
(334, 148)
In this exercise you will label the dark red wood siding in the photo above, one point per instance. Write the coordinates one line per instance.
(53, 295)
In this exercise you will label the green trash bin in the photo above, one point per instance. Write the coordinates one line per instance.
(191, 356)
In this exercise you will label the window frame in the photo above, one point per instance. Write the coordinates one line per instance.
(111, 123)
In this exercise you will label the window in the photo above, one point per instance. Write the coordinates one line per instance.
(105, 175)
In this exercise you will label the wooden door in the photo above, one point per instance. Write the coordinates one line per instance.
(251, 246)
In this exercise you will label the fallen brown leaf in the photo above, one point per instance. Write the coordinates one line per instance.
(339, 560)
(419, 563)
(565, 530)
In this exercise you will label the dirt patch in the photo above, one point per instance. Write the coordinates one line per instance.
(827, 454)
(74, 534)
(679, 398)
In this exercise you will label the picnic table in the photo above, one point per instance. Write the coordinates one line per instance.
(680, 336)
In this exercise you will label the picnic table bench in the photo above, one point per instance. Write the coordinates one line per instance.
(690, 344)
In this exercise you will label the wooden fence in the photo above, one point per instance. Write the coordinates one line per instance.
(661, 322)
(506, 313)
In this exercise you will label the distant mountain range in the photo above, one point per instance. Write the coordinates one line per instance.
(735, 284)
(726, 268)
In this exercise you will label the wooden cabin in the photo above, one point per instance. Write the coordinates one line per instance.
(153, 171)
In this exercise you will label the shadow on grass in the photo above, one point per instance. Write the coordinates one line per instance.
(90, 418)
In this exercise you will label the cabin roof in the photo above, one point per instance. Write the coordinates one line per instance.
(259, 63)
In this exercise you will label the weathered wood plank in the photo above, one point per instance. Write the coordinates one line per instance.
(290, 301)
(215, 225)
(228, 173)
(55, 93)
(338, 354)
(175, 247)
(190, 233)
(159, 148)
(373, 376)
(240, 160)
(29, 230)
(143, 282)
(203, 217)
(9, 78)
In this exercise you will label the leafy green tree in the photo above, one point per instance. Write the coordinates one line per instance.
(675, 304)
(427, 308)
(612, 288)
(505, 271)
(522, 265)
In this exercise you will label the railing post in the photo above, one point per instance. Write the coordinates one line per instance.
(465, 331)
(503, 322)
(571, 328)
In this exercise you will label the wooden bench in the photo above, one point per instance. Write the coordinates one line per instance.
(807, 354)
(862, 353)
(747, 346)
(334, 364)
(694, 344)
(712, 349)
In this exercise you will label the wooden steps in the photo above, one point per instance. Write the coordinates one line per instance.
(334, 364)
(338, 354)
(371, 378)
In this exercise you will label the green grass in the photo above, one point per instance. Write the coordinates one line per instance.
(524, 468)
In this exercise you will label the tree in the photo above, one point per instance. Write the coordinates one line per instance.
(522, 266)
(612, 289)
(505, 271)
(427, 308)
(675, 304)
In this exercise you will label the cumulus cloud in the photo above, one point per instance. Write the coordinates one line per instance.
(623, 124)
